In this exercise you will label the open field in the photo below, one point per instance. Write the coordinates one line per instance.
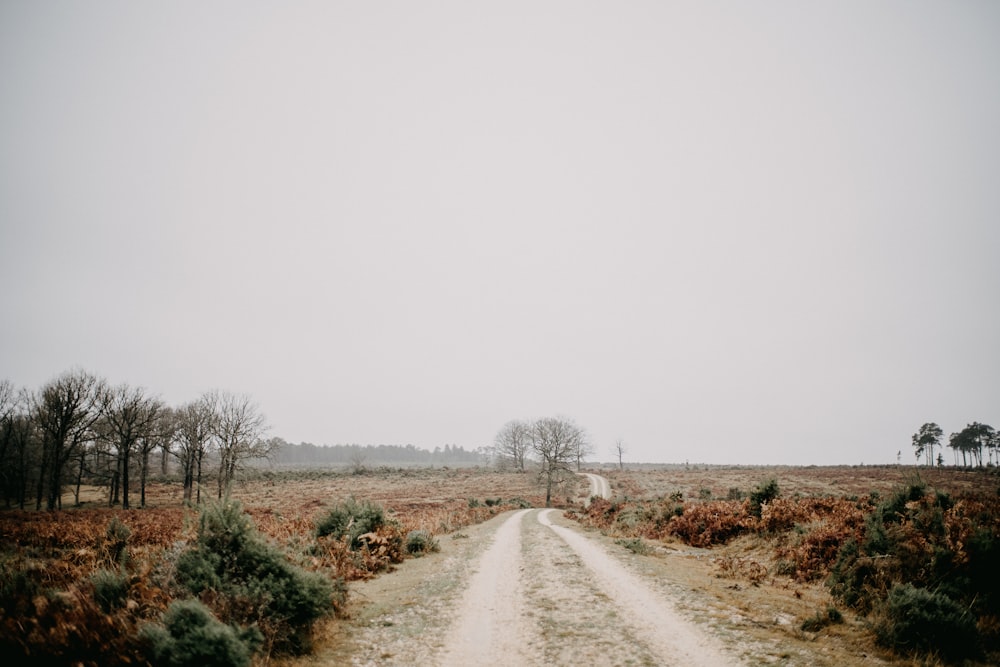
(747, 582)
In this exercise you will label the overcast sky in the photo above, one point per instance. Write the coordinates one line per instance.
(723, 232)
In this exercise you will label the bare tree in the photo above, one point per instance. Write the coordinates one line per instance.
(512, 443)
(158, 435)
(558, 443)
(239, 431)
(130, 417)
(620, 450)
(65, 410)
(194, 433)
(18, 444)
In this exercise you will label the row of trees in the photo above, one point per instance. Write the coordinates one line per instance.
(358, 456)
(79, 427)
(555, 444)
(970, 443)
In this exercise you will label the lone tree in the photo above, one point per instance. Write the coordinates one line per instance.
(558, 444)
(512, 442)
(926, 439)
(620, 452)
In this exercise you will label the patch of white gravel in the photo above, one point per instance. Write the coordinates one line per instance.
(653, 619)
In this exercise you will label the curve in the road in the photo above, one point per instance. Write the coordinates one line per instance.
(599, 486)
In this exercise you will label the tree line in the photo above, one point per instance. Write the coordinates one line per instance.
(554, 444)
(308, 454)
(970, 443)
(78, 427)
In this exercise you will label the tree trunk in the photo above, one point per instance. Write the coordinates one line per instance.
(125, 481)
(79, 478)
(142, 478)
(198, 481)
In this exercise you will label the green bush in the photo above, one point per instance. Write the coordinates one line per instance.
(191, 636)
(253, 580)
(352, 519)
(763, 494)
(636, 545)
(822, 619)
(419, 542)
(915, 620)
(113, 548)
(110, 589)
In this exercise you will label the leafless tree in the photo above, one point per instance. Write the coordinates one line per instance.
(512, 443)
(557, 442)
(159, 436)
(130, 417)
(193, 432)
(620, 450)
(64, 410)
(239, 433)
(16, 429)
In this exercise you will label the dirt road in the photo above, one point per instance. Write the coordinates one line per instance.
(599, 486)
(528, 588)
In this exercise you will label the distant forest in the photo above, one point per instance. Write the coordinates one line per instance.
(308, 454)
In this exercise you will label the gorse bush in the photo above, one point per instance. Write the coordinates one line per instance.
(922, 560)
(915, 620)
(763, 494)
(352, 519)
(249, 580)
(191, 636)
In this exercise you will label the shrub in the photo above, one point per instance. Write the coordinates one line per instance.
(763, 494)
(248, 579)
(110, 589)
(352, 519)
(113, 547)
(916, 620)
(822, 619)
(636, 545)
(419, 542)
(191, 636)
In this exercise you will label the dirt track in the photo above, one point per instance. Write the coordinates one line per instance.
(528, 588)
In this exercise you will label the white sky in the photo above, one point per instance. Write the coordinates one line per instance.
(724, 232)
